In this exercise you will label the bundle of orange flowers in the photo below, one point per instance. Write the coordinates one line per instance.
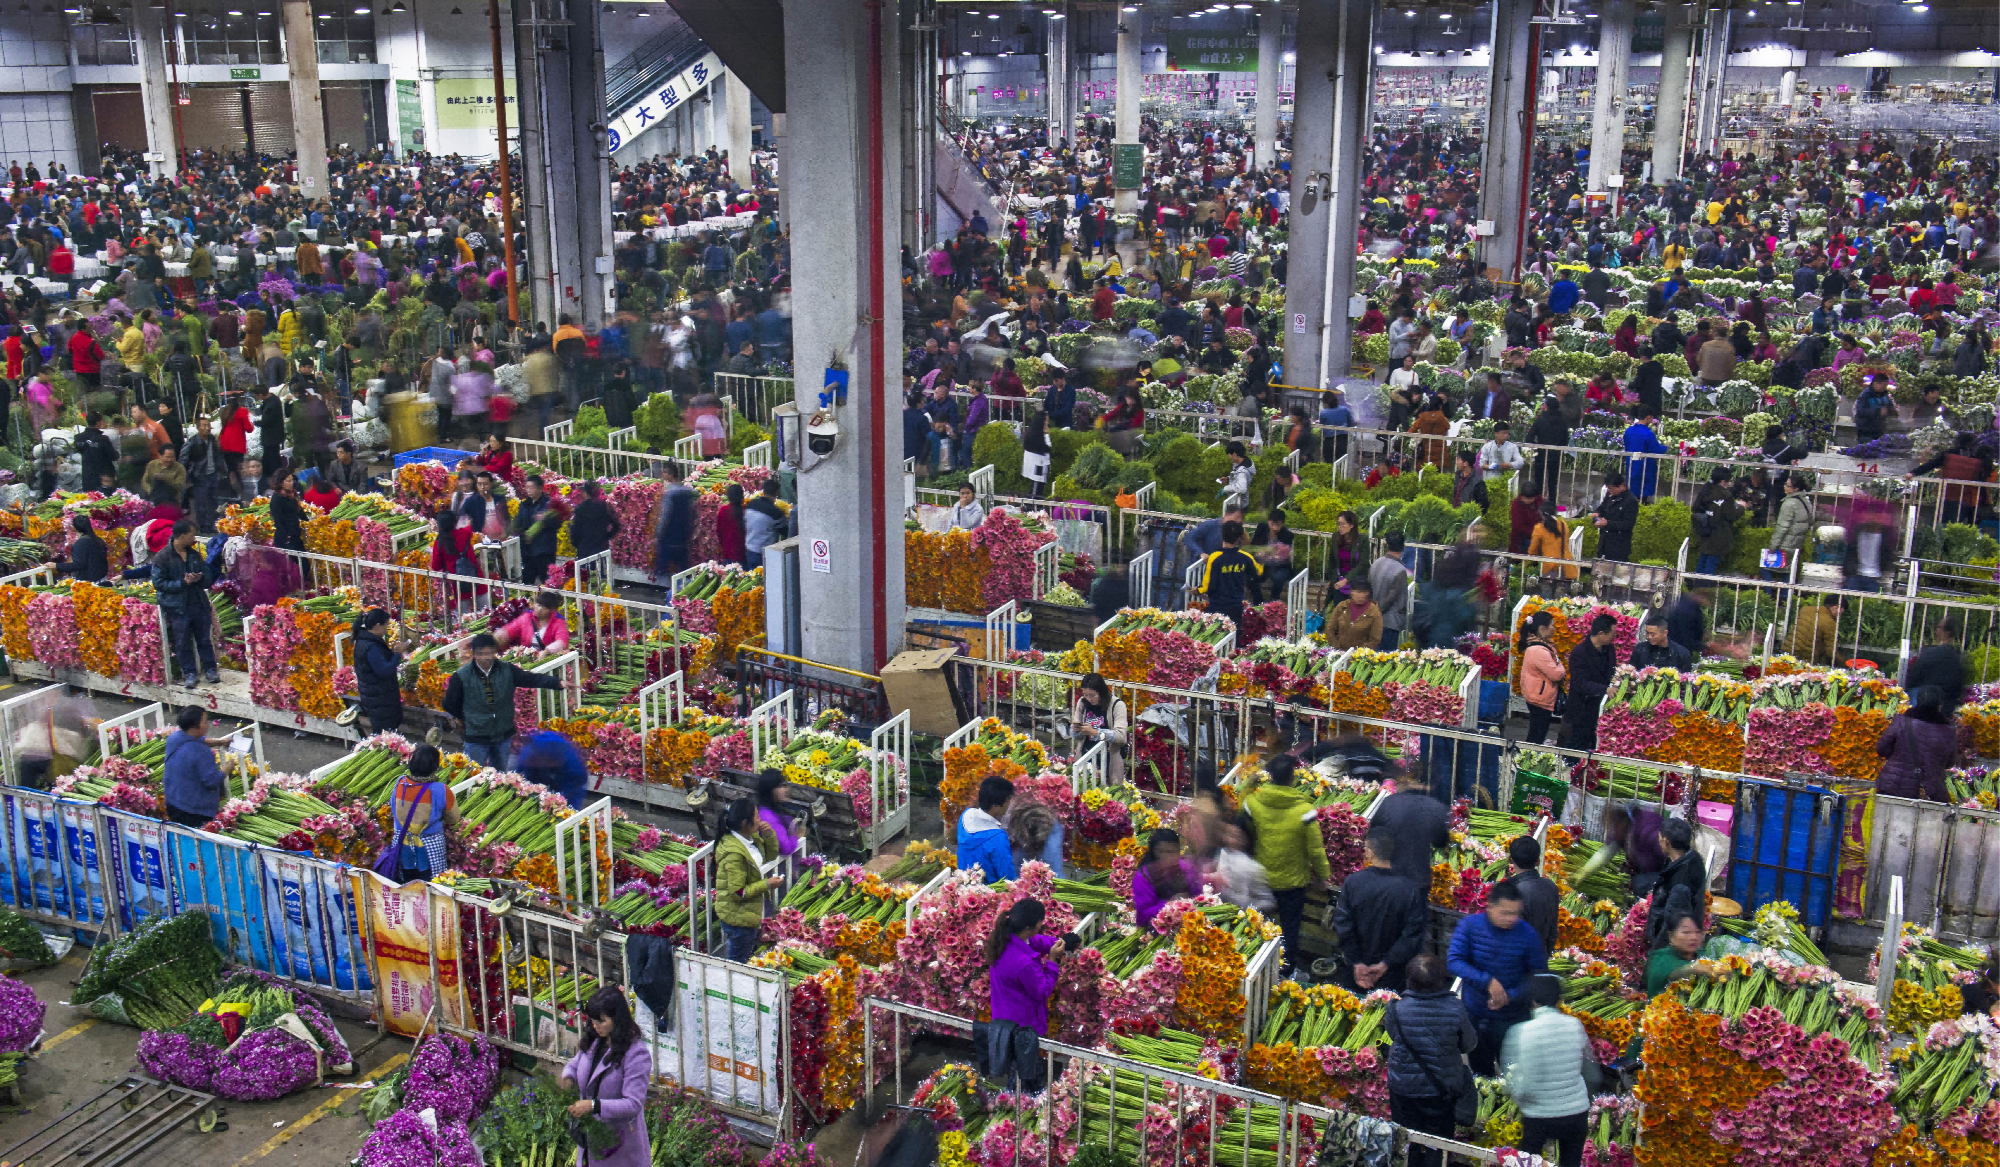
(1087, 855)
(672, 753)
(870, 942)
(1850, 750)
(840, 1083)
(1688, 1079)
(255, 526)
(1911, 1147)
(431, 684)
(1121, 656)
(995, 752)
(1349, 696)
(326, 535)
(312, 660)
(539, 870)
(1210, 1000)
(1702, 740)
(739, 619)
(99, 612)
(14, 623)
(1577, 932)
(945, 571)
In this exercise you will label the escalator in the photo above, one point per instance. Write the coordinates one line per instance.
(655, 80)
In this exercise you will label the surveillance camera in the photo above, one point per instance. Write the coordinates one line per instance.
(599, 128)
(821, 432)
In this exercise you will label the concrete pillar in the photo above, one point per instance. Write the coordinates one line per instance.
(1353, 115)
(844, 249)
(1607, 114)
(536, 178)
(1670, 114)
(1788, 87)
(1714, 67)
(1270, 73)
(1061, 76)
(1510, 136)
(1131, 85)
(1312, 202)
(308, 118)
(156, 96)
(783, 147)
(590, 161)
(736, 123)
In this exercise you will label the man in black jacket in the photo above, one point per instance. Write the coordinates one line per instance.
(99, 453)
(1551, 428)
(1418, 822)
(1380, 920)
(1683, 884)
(537, 521)
(1940, 664)
(1616, 516)
(270, 428)
(1591, 664)
(1657, 650)
(1539, 894)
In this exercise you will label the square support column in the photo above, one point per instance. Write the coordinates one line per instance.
(308, 114)
(1131, 83)
(1313, 201)
(1510, 134)
(1607, 114)
(1670, 113)
(1270, 76)
(843, 138)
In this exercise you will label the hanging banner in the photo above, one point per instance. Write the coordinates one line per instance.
(406, 936)
(466, 103)
(649, 108)
(1211, 52)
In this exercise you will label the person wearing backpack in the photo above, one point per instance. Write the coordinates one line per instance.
(1873, 410)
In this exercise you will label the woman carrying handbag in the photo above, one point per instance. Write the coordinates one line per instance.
(1430, 1086)
(1542, 676)
(609, 1073)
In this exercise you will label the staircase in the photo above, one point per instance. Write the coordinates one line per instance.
(656, 79)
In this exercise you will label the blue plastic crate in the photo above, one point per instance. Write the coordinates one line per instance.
(1786, 846)
(444, 454)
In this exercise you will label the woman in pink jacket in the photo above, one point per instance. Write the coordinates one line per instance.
(1542, 674)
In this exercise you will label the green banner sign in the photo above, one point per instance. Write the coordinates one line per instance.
(1128, 165)
(1211, 52)
(1649, 32)
(409, 115)
(246, 74)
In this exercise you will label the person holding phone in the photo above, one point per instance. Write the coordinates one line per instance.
(1098, 716)
(1023, 975)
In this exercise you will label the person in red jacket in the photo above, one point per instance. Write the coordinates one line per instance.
(85, 358)
(16, 350)
(62, 265)
(235, 436)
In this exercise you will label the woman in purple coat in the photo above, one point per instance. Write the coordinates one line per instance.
(1023, 975)
(1163, 877)
(610, 1072)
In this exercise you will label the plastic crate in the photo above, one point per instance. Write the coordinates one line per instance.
(445, 454)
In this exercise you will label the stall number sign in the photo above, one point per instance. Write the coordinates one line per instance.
(822, 557)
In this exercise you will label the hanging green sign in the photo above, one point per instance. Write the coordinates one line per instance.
(1128, 165)
(1211, 52)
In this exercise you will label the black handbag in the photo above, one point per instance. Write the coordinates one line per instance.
(1464, 1098)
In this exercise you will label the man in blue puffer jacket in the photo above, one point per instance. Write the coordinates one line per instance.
(1494, 954)
(982, 837)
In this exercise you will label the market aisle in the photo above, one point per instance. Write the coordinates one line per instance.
(81, 1057)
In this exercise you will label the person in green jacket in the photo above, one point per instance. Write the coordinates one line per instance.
(1684, 936)
(739, 876)
(1290, 847)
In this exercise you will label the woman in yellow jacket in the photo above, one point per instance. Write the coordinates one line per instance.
(289, 331)
(1550, 540)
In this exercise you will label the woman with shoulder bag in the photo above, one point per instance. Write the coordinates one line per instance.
(421, 807)
(610, 1072)
(1430, 1033)
(1542, 675)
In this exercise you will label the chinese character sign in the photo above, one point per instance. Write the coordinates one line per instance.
(466, 103)
(1205, 52)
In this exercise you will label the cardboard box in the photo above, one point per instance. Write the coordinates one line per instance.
(917, 680)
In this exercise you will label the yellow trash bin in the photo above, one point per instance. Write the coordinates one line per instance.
(412, 421)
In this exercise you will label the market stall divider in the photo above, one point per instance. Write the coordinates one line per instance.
(1179, 1092)
(772, 726)
(1946, 860)
(1197, 725)
(755, 397)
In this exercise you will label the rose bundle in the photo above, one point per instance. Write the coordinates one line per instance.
(52, 631)
(141, 656)
(1010, 546)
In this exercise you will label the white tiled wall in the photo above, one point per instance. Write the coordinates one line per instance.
(35, 118)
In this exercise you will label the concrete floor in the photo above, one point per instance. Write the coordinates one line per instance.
(82, 1056)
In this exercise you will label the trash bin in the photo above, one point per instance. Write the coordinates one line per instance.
(412, 420)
